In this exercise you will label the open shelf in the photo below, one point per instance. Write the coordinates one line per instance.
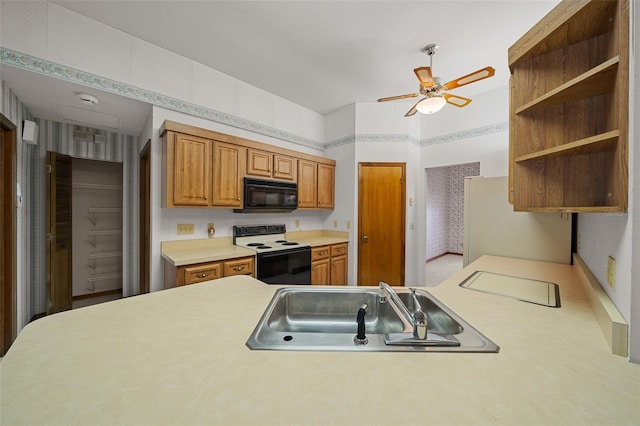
(570, 22)
(596, 81)
(598, 143)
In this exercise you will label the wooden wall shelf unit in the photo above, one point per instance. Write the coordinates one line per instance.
(569, 99)
(203, 168)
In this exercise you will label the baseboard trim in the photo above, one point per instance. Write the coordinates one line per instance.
(613, 325)
(441, 255)
(97, 294)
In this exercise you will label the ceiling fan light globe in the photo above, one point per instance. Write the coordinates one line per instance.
(431, 105)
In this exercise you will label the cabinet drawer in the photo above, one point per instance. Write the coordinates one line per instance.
(204, 272)
(338, 249)
(243, 266)
(318, 253)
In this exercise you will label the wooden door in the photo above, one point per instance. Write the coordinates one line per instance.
(145, 219)
(8, 239)
(229, 166)
(307, 183)
(326, 186)
(381, 223)
(192, 180)
(59, 226)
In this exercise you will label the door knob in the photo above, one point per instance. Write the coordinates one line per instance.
(365, 239)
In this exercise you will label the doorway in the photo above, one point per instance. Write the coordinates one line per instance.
(445, 219)
(381, 223)
(145, 219)
(84, 222)
(8, 229)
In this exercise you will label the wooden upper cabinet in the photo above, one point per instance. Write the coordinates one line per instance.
(188, 164)
(270, 165)
(326, 186)
(316, 185)
(569, 101)
(259, 163)
(307, 184)
(284, 167)
(228, 170)
(203, 168)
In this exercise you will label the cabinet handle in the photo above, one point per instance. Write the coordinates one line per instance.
(238, 268)
(238, 198)
(202, 275)
(323, 252)
(206, 197)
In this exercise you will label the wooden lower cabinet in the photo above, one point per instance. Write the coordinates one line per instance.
(199, 272)
(329, 265)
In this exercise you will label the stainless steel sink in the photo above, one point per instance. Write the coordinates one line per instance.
(324, 319)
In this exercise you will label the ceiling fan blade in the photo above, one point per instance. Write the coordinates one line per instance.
(394, 98)
(471, 78)
(458, 101)
(413, 109)
(424, 75)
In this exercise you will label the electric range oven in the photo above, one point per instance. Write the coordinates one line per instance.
(278, 261)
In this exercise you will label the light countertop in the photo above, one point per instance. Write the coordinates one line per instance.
(188, 252)
(178, 356)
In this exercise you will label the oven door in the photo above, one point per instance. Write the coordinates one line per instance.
(291, 266)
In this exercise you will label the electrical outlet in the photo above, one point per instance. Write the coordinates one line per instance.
(611, 272)
(185, 228)
(211, 229)
(297, 223)
(335, 223)
(348, 224)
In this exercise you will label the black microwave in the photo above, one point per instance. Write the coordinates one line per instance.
(268, 196)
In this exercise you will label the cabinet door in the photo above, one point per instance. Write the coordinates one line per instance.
(192, 168)
(339, 270)
(320, 272)
(229, 163)
(307, 183)
(259, 162)
(201, 272)
(284, 167)
(326, 186)
(241, 266)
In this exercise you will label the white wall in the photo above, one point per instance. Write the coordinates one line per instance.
(49, 31)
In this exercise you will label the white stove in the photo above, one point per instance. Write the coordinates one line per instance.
(264, 238)
(278, 261)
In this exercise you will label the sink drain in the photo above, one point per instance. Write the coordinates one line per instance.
(287, 338)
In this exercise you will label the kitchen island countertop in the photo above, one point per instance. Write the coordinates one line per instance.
(178, 356)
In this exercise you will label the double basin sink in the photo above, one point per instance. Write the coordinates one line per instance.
(324, 319)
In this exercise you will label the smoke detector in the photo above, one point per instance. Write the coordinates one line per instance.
(87, 99)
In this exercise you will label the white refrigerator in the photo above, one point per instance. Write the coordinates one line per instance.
(492, 227)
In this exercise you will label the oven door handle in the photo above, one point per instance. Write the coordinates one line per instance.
(284, 252)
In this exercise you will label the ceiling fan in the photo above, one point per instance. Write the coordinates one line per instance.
(434, 92)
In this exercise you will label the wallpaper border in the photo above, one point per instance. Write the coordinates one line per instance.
(63, 72)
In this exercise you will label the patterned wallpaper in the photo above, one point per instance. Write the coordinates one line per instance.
(445, 208)
(15, 111)
(31, 159)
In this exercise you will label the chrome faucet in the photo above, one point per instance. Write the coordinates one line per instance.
(418, 319)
